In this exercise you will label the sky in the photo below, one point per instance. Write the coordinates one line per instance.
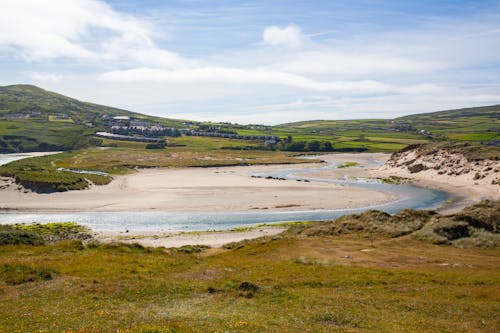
(266, 62)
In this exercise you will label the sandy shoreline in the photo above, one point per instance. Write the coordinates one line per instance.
(226, 189)
(232, 189)
(207, 238)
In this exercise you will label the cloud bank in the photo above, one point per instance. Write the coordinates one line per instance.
(86, 48)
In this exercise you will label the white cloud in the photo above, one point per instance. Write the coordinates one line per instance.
(290, 35)
(38, 76)
(83, 30)
(259, 76)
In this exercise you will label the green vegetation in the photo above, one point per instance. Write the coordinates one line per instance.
(12, 235)
(40, 174)
(12, 274)
(28, 120)
(472, 151)
(385, 135)
(304, 280)
(37, 234)
(477, 225)
(348, 164)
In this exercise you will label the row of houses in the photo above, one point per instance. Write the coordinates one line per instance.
(187, 132)
(150, 130)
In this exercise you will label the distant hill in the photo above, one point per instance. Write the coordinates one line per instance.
(474, 124)
(492, 111)
(32, 118)
(28, 98)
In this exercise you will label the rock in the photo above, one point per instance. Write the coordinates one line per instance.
(416, 168)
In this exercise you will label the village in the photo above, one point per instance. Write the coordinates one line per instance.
(131, 129)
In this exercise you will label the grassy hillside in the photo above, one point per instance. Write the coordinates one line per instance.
(41, 130)
(472, 124)
(57, 122)
(307, 281)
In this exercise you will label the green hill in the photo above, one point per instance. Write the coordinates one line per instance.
(34, 119)
(471, 124)
(480, 123)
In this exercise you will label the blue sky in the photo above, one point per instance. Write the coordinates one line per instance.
(257, 61)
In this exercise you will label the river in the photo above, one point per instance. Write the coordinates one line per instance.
(410, 196)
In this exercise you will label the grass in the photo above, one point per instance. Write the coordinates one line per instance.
(54, 118)
(304, 280)
(37, 234)
(348, 165)
(371, 135)
(287, 284)
(472, 151)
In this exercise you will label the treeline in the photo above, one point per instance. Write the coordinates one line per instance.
(313, 145)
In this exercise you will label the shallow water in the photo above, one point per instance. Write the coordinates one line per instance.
(411, 196)
(7, 158)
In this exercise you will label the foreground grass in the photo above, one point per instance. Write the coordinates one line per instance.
(297, 284)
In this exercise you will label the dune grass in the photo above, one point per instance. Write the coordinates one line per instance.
(319, 284)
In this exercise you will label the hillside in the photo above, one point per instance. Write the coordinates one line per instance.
(474, 124)
(480, 123)
(34, 119)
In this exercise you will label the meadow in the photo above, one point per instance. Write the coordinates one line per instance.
(292, 284)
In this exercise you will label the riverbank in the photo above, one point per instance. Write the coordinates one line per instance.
(214, 239)
(217, 189)
(464, 190)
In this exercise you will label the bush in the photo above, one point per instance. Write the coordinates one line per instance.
(9, 235)
(158, 145)
(56, 232)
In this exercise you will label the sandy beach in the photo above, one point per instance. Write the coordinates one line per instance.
(226, 189)
(207, 238)
(233, 189)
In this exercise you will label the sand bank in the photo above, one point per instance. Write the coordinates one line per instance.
(227, 189)
(208, 238)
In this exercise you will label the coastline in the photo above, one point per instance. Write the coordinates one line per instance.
(215, 189)
(233, 189)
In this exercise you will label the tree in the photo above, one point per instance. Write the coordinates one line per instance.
(326, 146)
(313, 145)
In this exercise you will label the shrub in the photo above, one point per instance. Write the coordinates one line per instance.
(10, 235)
